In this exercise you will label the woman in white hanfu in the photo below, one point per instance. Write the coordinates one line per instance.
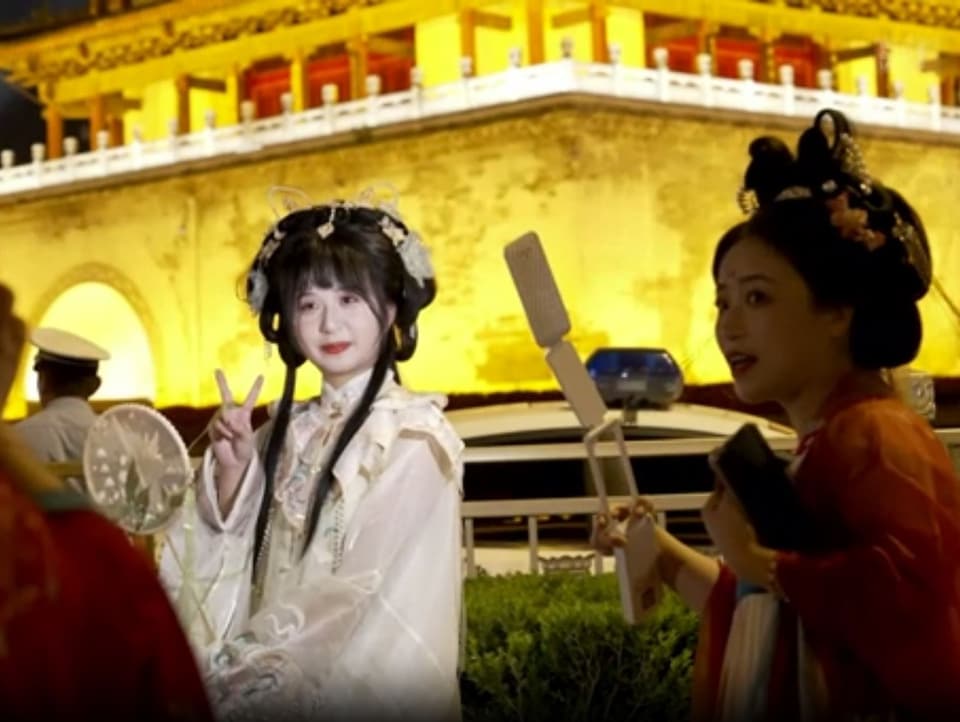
(319, 572)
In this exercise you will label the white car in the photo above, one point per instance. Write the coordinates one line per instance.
(541, 422)
(535, 451)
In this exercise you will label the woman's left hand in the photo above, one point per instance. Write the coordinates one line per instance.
(734, 536)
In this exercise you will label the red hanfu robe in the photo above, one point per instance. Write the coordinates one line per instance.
(880, 606)
(86, 630)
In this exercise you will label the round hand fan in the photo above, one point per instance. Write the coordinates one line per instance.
(136, 467)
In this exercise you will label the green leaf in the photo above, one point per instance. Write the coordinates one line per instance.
(556, 648)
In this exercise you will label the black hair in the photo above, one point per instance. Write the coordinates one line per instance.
(881, 282)
(68, 379)
(357, 255)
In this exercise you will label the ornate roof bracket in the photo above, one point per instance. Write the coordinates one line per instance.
(159, 42)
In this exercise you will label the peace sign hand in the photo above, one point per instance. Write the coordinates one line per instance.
(231, 430)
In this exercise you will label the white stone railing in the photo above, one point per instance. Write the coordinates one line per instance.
(566, 77)
(535, 509)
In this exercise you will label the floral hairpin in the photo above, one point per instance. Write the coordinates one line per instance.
(326, 229)
(917, 255)
(413, 253)
(415, 256)
(257, 284)
(257, 287)
(853, 223)
(852, 163)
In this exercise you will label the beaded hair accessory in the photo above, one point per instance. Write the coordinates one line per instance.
(852, 181)
(408, 244)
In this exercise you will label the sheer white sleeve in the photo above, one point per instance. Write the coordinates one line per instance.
(205, 565)
(379, 636)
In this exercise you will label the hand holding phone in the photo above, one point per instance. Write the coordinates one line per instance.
(758, 479)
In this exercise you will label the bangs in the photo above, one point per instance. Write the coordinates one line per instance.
(329, 263)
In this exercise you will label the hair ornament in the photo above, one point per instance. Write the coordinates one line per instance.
(290, 199)
(257, 284)
(372, 197)
(408, 244)
(853, 223)
(257, 287)
(793, 192)
(844, 149)
(325, 230)
(269, 248)
(415, 256)
(832, 171)
(284, 200)
(852, 163)
(917, 255)
(747, 200)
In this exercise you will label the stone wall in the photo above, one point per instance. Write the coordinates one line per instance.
(629, 203)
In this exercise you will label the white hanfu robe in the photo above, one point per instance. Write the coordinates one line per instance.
(366, 624)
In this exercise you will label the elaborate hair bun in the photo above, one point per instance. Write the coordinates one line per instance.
(771, 169)
(906, 254)
(817, 163)
(855, 241)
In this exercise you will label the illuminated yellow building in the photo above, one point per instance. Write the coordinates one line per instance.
(196, 107)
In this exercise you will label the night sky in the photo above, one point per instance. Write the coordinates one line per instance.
(12, 11)
(20, 120)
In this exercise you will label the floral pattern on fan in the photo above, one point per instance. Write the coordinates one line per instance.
(136, 466)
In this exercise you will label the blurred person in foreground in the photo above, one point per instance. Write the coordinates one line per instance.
(86, 630)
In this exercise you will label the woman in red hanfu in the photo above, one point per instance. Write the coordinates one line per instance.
(86, 630)
(817, 296)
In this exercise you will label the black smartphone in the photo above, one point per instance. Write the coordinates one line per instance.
(759, 480)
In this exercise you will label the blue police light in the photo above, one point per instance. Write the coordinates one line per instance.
(636, 377)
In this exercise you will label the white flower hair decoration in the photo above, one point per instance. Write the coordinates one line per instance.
(408, 244)
(415, 256)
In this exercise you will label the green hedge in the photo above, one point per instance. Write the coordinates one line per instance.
(556, 648)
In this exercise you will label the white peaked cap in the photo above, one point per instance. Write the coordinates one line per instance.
(62, 347)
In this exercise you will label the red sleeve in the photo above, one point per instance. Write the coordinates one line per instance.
(890, 592)
(131, 636)
(34, 677)
(86, 630)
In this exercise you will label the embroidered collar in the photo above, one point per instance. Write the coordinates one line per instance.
(334, 400)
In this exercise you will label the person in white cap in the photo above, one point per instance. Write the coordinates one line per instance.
(66, 366)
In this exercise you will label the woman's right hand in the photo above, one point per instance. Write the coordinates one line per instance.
(231, 429)
(605, 536)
